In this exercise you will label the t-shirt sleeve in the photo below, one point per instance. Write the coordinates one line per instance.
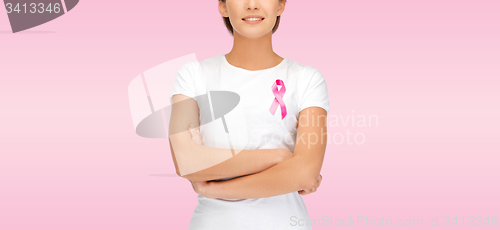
(315, 92)
(184, 82)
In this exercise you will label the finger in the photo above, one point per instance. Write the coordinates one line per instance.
(191, 131)
(199, 139)
(311, 191)
(195, 129)
(199, 135)
(196, 137)
(304, 192)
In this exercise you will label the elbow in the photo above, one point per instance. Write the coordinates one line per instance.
(306, 173)
(309, 179)
(194, 177)
(308, 184)
(187, 177)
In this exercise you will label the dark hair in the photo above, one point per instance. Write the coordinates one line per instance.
(230, 27)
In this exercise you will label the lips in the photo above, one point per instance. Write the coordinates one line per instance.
(253, 16)
(24, 14)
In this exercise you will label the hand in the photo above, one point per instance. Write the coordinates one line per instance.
(311, 190)
(200, 187)
(195, 134)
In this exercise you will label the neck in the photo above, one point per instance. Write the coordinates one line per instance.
(253, 53)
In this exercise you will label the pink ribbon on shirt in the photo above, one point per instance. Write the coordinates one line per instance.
(278, 98)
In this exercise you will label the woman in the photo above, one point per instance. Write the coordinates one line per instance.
(259, 187)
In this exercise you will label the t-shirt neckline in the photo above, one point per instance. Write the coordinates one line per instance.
(223, 56)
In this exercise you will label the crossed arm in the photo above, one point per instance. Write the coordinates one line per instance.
(268, 172)
(201, 163)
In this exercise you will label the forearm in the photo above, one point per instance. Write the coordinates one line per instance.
(200, 163)
(245, 162)
(285, 177)
(221, 162)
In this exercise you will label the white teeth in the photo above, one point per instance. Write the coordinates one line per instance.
(252, 19)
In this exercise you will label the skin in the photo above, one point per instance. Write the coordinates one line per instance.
(252, 46)
(252, 50)
(203, 187)
(196, 162)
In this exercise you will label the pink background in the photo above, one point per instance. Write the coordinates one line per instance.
(429, 70)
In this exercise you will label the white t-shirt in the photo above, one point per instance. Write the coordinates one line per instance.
(251, 125)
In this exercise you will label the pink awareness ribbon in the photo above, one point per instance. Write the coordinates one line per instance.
(278, 98)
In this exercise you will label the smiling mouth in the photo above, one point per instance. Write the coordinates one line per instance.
(253, 19)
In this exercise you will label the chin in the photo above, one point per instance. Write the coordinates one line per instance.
(255, 34)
